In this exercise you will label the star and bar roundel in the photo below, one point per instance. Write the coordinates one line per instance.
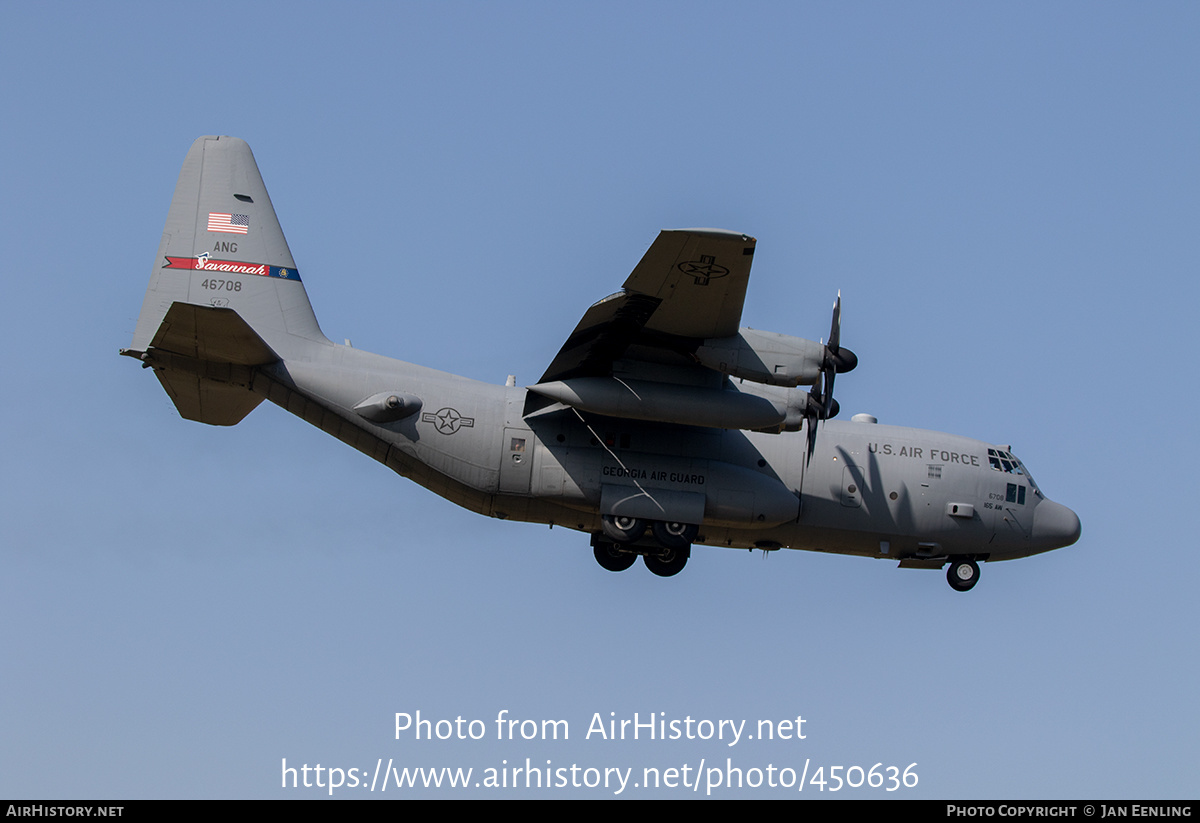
(447, 420)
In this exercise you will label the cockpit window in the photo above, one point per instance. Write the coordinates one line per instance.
(1002, 461)
(1006, 462)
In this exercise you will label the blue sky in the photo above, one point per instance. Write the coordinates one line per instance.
(1006, 195)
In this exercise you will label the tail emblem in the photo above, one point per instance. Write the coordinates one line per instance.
(205, 263)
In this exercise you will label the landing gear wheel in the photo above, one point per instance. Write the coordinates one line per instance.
(674, 535)
(668, 562)
(962, 575)
(622, 529)
(612, 558)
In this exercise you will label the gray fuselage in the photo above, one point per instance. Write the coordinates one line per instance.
(867, 489)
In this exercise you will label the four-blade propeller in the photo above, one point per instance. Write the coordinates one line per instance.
(821, 405)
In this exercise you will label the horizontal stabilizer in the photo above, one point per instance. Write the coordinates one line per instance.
(207, 401)
(204, 358)
(214, 334)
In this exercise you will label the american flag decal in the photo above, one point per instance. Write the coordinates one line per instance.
(229, 223)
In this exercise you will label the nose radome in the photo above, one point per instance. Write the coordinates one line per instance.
(1054, 525)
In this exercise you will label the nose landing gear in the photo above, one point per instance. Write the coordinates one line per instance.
(962, 575)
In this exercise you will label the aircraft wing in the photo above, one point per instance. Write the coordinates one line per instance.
(688, 287)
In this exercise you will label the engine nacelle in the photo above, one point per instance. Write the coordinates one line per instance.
(764, 409)
(764, 357)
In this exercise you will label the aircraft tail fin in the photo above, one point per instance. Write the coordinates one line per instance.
(223, 247)
(225, 295)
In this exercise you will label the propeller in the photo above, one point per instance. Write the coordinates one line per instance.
(837, 359)
(821, 405)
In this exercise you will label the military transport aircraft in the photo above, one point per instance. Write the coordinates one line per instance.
(661, 423)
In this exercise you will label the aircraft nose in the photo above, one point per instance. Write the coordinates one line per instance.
(1054, 526)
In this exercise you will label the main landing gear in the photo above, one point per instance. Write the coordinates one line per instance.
(962, 575)
(621, 529)
(621, 541)
(614, 558)
(668, 562)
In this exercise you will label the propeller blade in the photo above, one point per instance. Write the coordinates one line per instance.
(834, 360)
(810, 428)
(821, 405)
(812, 412)
(835, 331)
(837, 358)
